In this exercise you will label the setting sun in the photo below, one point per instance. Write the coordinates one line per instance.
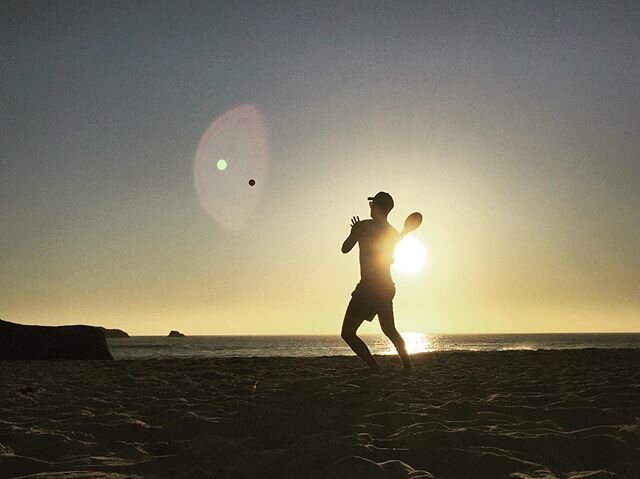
(410, 255)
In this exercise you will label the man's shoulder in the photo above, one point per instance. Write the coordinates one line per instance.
(362, 227)
(363, 224)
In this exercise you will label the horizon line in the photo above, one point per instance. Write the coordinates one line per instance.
(378, 334)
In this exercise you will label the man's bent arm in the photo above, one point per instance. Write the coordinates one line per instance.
(350, 242)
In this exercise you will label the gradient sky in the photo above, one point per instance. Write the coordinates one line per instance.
(513, 127)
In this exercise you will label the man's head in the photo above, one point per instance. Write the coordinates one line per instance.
(381, 204)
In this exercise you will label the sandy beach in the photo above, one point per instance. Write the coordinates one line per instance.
(513, 414)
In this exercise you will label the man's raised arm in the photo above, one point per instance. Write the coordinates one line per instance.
(352, 239)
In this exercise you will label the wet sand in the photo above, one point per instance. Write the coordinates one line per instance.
(512, 414)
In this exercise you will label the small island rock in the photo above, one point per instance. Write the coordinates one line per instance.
(176, 334)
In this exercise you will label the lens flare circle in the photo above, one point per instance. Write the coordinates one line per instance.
(410, 255)
(231, 150)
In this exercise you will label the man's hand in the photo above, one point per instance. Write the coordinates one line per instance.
(355, 220)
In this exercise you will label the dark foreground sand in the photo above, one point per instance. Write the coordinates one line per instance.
(516, 414)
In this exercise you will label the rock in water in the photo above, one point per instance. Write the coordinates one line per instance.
(18, 341)
(176, 334)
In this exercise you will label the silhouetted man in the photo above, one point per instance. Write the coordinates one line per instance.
(374, 293)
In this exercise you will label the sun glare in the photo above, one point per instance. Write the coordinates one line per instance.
(410, 255)
(415, 343)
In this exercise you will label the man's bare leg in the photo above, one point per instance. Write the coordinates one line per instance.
(387, 323)
(350, 326)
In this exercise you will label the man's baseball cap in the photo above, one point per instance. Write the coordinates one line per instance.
(383, 200)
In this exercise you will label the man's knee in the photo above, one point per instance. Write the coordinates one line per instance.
(347, 334)
(392, 333)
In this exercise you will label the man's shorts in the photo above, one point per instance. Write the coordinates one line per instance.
(369, 299)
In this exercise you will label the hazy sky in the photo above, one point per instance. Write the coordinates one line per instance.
(513, 127)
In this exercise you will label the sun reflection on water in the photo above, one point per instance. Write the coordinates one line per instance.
(415, 342)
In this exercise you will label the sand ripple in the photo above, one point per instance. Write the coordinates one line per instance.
(512, 414)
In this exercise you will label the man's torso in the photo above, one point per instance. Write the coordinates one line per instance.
(376, 242)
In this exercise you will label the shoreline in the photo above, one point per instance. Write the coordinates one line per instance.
(519, 413)
(318, 346)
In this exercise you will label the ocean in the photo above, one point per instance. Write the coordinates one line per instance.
(148, 347)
